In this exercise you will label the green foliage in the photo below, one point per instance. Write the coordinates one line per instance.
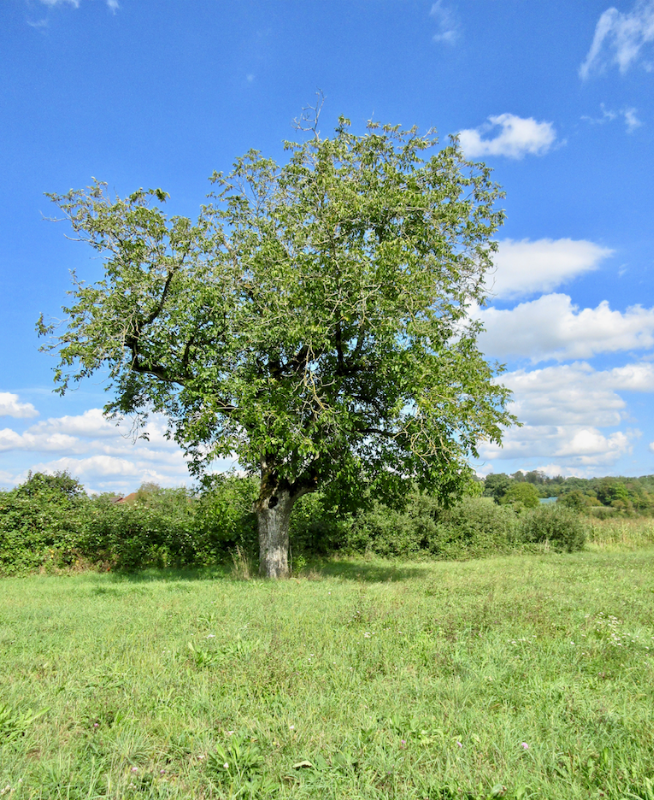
(522, 495)
(40, 523)
(624, 496)
(496, 485)
(474, 528)
(561, 527)
(386, 532)
(577, 500)
(225, 516)
(314, 320)
(14, 724)
(157, 529)
(471, 528)
(236, 761)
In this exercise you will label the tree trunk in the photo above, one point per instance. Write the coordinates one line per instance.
(273, 518)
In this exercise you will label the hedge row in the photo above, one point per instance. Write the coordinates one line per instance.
(49, 522)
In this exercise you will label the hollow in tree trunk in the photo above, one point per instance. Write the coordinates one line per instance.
(273, 510)
(273, 518)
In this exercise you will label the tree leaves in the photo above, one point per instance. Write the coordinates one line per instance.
(313, 321)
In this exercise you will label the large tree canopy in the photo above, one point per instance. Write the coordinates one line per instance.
(314, 320)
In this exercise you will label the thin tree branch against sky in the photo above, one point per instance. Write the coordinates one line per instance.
(555, 97)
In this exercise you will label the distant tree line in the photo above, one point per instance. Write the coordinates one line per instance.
(609, 495)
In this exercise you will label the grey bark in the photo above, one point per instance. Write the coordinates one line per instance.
(273, 518)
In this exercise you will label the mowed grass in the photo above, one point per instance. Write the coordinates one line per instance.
(523, 676)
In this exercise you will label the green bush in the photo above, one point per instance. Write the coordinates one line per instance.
(40, 523)
(561, 527)
(225, 519)
(383, 531)
(157, 529)
(473, 528)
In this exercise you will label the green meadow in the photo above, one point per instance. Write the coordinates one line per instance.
(527, 676)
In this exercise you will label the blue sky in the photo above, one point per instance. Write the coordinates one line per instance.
(555, 96)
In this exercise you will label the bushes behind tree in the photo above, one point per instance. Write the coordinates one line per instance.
(50, 522)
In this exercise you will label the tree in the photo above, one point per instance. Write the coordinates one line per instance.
(496, 485)
(521, 492)
(314, 321)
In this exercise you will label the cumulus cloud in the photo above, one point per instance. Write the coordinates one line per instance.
(584, 447)
(552, 327)
(91, 423)
(10, 406)
(620, 39)
(448, 25)
(576, 394)
(103, 456)
(515, 138)
(526, 267)
(631, 119)
(564, 409)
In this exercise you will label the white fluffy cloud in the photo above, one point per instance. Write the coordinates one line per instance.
(620, 38)
(103, 456)
(516, 138)
(564, 408)
(525, 267)
(10, 406)
(552, 327)
(576, 394)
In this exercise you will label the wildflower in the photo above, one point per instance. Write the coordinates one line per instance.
(524, 746)
(226, 765)
(366, 635)
(403, 742)
(291, 727)
(135, 769)
(459, 744)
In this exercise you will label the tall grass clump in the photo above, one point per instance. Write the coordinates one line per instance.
(621, 533)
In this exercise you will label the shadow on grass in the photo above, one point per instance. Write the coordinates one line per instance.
(371, 572)
(348, 570)
(169, 574)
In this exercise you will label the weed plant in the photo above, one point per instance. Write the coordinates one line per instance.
(516, 676)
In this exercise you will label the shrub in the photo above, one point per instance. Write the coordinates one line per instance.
(384, 531)
(40, 523)
(561, 527)
(225, 519)
(157, 529)
(474, 527)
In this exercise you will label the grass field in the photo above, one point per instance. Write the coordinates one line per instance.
(523, 676)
